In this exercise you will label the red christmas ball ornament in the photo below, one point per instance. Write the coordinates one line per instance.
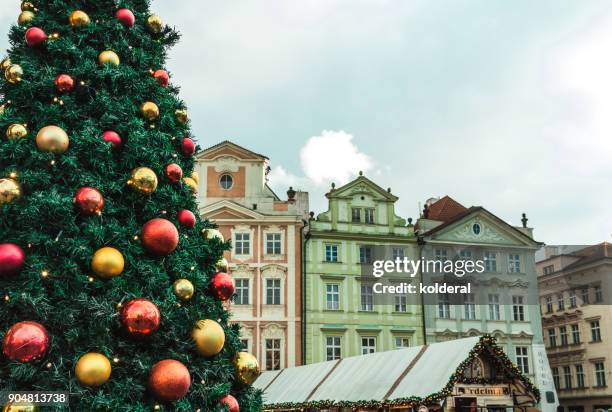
(222, 286)
(64, 83)
(35, 36)
(162, 77)
(126, 17)
(174, 172)
(140, 317)
(12, 259)
(188, 147)
(231, 402)
(186, 218)
(89, 201)
(26, 342)
(169, 380)
(113, 138)
(160, 236)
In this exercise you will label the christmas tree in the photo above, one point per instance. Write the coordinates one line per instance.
(111, 288)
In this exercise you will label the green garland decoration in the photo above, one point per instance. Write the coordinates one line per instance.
(487, 346)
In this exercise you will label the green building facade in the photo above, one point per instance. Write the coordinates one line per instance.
(341, 316)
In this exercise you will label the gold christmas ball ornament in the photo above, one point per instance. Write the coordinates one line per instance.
(209, 234)
(9, 190)
(191, 184)
(143, 180)
(222, 265)
(155, 24)
(93, 369)
(247, 367)
(25, 17)
(26, 5)
(78, 18)
(13, 73)
(19, 407)
(195, 176)
(108, 57)
(183, 289)
(5, 63)
(181, 116)
(149, 111)
(16, 131)
(107, 263)
(209, 337)
(52, 139)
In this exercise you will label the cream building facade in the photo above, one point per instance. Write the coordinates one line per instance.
(575, 296)
(265, 260)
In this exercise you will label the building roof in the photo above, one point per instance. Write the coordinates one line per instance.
(398, 374)
(363, 182)
(590, 254)
(445, 209)
(232, 144)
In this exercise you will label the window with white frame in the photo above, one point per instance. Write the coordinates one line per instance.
(355, 215)
(465, 254)
(518, 308)
(401, 303)
(598, 294)
(241, 295)
(273, 243)
(242, 244)
(490, 260)
(245, 344)
(514, 263)
(549, 304)
(441, 255)
(556, 379)
(367, 298)
(369, 216)
(469, 307)
(333, 347)
(494, 312)
(402, 342)
(368, 345)
(365, 254)
(579, 375)
(600, 375)
(575, 333)
(560, 302)
(273, 354)
(549, 269)
(332, 296)
(567, 376)
(572, 298)
(584, 293)
(331, 253)
(563, 335)
(522, 359)
(398, 253)
(595, 331)
(443, 306)
(273, 291)
(552, 337)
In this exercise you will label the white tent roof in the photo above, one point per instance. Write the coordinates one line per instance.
(416, 371)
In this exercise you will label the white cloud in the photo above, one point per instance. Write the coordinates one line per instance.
(333, 156)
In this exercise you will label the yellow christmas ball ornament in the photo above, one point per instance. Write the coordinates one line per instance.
(52, 139)
(143, 180)
(78, 18)
(222, 265)
(19, 407)
(9, 191)
(155, 24)
(183, 289)
(195, 176)
(93, 369)
(209, 234)
(13, 73)
(26, 5)
(191, 184)
(149, 111)
(25, 17)
(247, 367)
(107, 263)
(108, 57)
(209, 337)
(5, 63)
(16, 131)
(181, 116)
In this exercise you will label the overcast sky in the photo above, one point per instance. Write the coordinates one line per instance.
(505, 105)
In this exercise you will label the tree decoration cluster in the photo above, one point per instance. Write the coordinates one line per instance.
(113, 287)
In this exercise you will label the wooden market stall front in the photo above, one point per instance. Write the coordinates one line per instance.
(464, 375)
